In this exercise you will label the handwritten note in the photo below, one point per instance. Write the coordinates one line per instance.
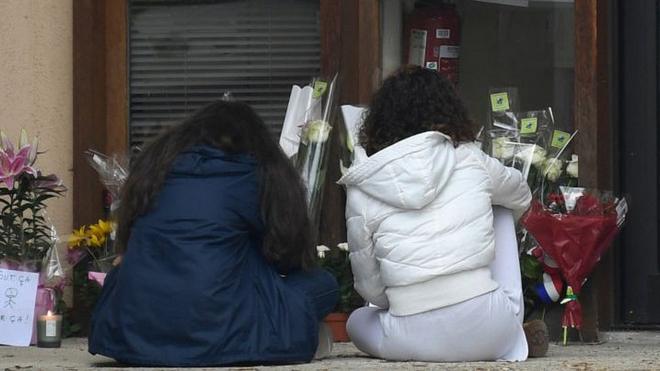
(18, 292)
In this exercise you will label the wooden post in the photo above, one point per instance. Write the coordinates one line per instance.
(116, 76)
(594, 141)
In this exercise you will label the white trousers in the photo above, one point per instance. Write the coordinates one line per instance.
(484, 328)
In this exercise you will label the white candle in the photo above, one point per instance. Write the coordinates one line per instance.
(49, 330)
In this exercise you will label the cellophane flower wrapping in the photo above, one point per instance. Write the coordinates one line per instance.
(307, 125)
(112, 171)
(575, 229)
(93, 245)
(523, 143)
(352, 117)
(534, 144)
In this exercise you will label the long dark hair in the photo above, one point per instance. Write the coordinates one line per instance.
(234, 128)
(411, 101)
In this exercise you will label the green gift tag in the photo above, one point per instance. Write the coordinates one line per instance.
(560, 138)
(319, 89)
(499, 101)
(529, 125)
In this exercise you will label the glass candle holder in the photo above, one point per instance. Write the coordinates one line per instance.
(49, 330)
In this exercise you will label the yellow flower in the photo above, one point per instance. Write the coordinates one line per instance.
(105, 226)
(78, 237)
(98, 233)
(95, 240)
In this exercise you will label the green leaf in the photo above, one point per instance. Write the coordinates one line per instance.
(530, 267)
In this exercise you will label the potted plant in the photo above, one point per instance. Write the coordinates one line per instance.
(27, 237)
(336, 261)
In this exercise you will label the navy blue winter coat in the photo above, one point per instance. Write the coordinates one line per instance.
(193, 288)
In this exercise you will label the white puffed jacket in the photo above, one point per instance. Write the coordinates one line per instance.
(420, 222)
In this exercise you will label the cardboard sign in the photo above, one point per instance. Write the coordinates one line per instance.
(18, 292)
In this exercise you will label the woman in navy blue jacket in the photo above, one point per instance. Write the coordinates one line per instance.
(218, 253)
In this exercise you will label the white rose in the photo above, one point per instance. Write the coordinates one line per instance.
(553, 169)
(572, 168)
(321, 250)
(503, 149)
(343, 246)
(317, 131)
(536, 153)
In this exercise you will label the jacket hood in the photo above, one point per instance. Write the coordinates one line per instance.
(209, 161)
(408, 174)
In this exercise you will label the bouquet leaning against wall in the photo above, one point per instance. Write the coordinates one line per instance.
(92, 248)
(28, 240)
(305, 137)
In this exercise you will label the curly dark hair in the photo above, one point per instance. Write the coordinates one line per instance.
(234, 127)
(411, 101)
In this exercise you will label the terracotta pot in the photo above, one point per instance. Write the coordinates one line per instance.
(337, 323)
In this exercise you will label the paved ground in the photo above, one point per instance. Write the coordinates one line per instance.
(621, 351)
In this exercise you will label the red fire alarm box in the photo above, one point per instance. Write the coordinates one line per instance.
(432, 38)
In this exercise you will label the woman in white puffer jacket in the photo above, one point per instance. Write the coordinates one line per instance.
(421, 231)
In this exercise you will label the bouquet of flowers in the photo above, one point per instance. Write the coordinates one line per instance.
(96, 243)
(27, 234)
(531, 142)
(91, 249)
(28, 240)
(307, 125)
(574, 230)
(528, 147)
(91, 255)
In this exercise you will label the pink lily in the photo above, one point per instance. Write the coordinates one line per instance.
(14, 164)
(7, 146)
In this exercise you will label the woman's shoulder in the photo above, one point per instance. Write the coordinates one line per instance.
(470, 150)
(469, 146)
(210, 161)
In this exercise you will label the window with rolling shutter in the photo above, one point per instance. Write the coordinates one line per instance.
(184, 54)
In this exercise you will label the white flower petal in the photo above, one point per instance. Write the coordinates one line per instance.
(317, 131)
(322, 248)
(503, 149)
(534, 153)
(553, 169)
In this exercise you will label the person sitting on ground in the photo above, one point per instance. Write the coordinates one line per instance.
(218, 252)
(421, 231)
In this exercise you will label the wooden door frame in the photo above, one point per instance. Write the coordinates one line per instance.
(100, 96)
